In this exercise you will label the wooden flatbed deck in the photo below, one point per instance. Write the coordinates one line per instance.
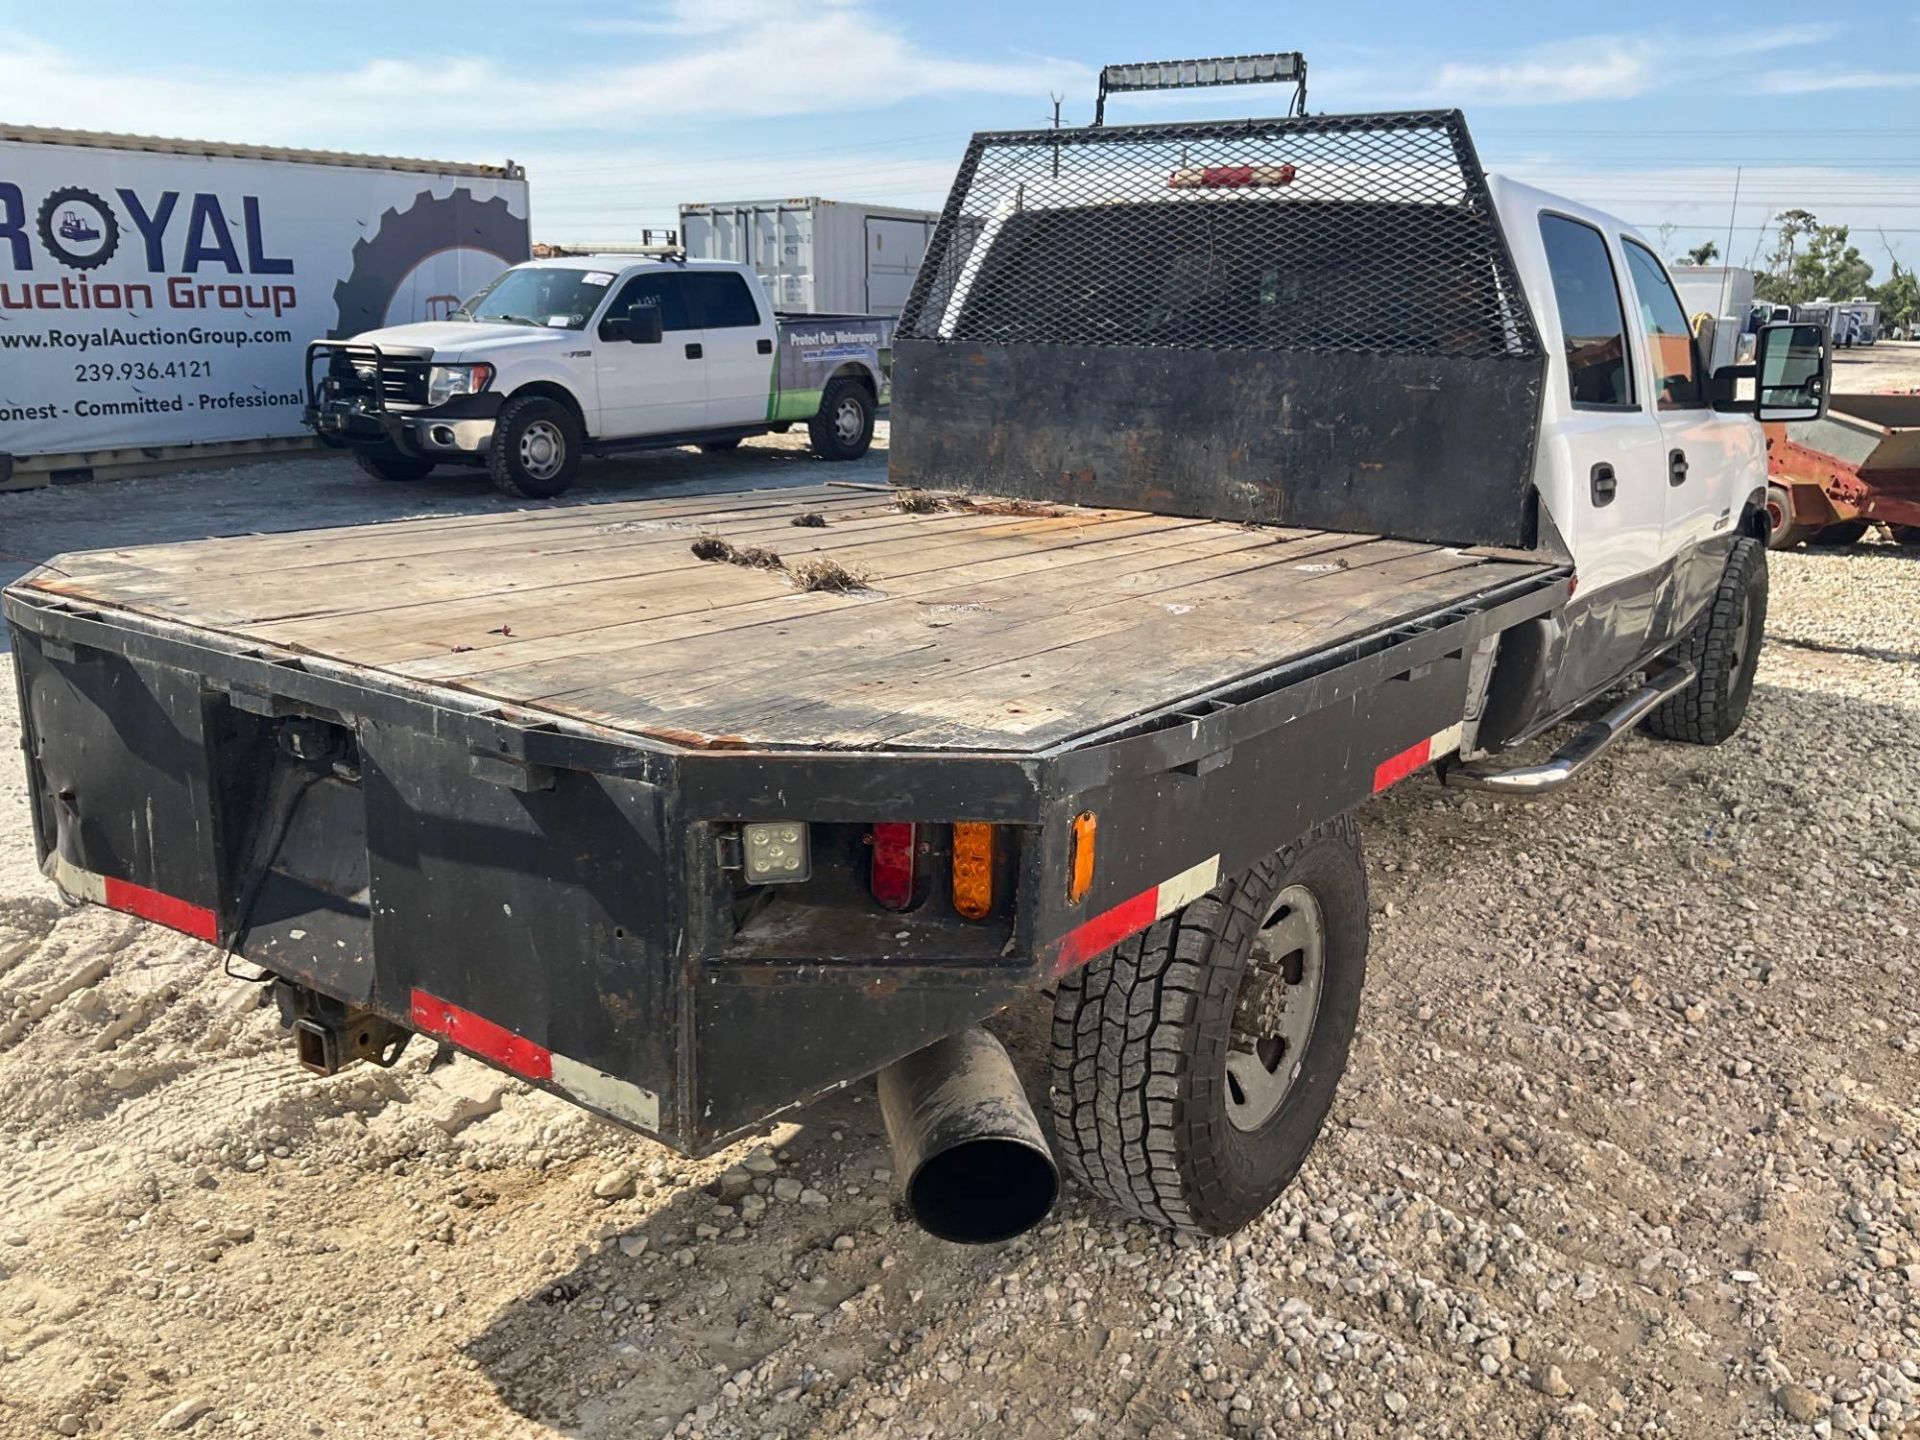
(994, 626)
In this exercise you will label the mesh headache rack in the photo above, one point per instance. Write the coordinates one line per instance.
(1218, 293)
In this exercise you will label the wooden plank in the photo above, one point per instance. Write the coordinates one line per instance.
(229, 574)
(772, 601)
(985, 622)
(578, 596)
(1092, 683)
(691, 686)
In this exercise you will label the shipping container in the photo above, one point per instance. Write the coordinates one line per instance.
(817, 257)
(168, 288)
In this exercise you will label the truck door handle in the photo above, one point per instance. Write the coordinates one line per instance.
(694, 352)
(1676, 467)
(765, 347)
(1604, 483)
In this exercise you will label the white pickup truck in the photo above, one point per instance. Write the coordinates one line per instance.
(560, 358)
(1256, 466)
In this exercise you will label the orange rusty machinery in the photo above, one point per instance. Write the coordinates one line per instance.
(1830, 479)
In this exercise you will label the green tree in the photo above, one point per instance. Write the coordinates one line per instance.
(1811, 261)
(1899, 298)
(1703, 254)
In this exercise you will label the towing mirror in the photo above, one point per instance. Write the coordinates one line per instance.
(1793, 370)
(643, 325)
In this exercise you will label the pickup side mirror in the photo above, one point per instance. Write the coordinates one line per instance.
(1793, 371)
(640, 325)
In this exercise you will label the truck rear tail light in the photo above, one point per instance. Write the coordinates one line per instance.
(973, 870)
(776, 853)
(895, 847)
(1080, 864)
(1229, 177)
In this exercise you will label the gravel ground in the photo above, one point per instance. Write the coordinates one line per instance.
(1631, 1141)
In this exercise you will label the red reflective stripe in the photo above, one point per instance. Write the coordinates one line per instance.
(1107, 929)
(1402, 765)
(194, 920)
(433, 1016)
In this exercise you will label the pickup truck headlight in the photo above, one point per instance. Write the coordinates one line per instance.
(444, 382)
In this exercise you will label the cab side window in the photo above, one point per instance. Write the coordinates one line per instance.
(1587, 295)
(667, 291)
(1676, 366)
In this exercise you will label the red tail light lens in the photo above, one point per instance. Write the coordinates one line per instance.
(894, 847)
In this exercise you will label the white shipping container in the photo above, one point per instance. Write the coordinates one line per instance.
(816, 257)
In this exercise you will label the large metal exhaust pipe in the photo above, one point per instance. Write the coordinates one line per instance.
(976, 1164)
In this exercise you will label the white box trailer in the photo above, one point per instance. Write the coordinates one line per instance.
(818, 257)
(1724, 293)
(157, 296)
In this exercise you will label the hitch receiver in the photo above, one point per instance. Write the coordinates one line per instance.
(329, 1035)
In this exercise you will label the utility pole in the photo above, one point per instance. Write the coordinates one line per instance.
(1056, 125)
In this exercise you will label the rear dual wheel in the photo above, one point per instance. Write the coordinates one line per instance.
(1194, 1065)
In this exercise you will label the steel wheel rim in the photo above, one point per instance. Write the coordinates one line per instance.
(848, 422)
(543, 450)
(1278, 1005)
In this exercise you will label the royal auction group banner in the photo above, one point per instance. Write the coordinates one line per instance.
(152, 298)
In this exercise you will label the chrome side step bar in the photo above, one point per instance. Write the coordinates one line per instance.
(1530, 781)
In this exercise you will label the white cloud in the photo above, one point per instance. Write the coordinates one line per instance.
(1817, 82)
(1560, 72)
(723, 59)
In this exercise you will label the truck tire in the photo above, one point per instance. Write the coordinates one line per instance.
(1724, 646)
(1193, 1065)
(536, 448)
(843, 428)
(1782, 531)
(1908, 535)
(714, 447)
(385, 462)
(1847, 532)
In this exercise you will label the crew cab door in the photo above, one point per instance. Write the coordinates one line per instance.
(655, 388)
(1708, 454)
(738, 328)
(1600, 421)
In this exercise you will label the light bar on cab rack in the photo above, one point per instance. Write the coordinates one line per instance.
(1275, 69)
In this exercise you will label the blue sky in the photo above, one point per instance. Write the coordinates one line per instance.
(620, 112)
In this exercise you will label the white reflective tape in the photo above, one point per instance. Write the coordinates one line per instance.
(78, 883)
(602, 1091)
(1447, 741)
(1189, 885)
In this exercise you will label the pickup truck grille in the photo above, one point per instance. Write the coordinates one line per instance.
(403, 382)
(385, 381)
(1364, 234)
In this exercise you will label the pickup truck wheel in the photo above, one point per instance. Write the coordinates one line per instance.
(1724, 646)
(1847, 532)
(1194, 1065)
(843, 428)
(535, 450)
(384, 462)
(1908, 535)
(1782, 532)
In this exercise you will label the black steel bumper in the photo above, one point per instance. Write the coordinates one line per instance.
(361, 394)
(505, 879)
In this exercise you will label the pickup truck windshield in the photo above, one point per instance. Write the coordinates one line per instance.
(540, 295)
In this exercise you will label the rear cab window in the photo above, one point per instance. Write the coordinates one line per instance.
(1586, 293)
(721, 300)
(1670, 348)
